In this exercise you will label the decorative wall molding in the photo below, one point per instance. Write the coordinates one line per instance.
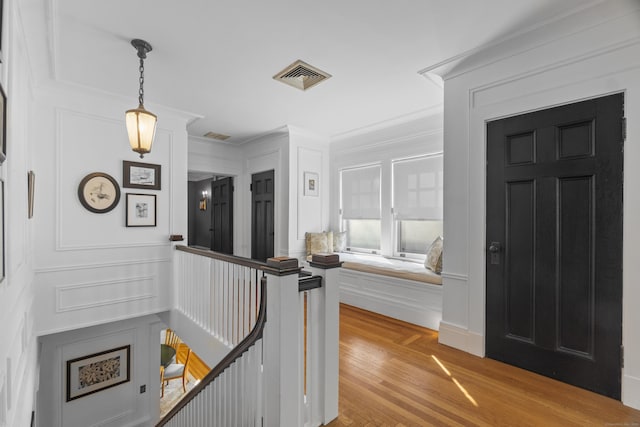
(382, 144)
(455, 276)
(384, 124)
(447, 68)
(476, 94)
(65, 294)
(415, 302)
(92, 266)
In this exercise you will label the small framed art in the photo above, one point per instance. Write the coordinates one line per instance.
(3, 113)
(141, 210)
(311, 182)
(140, 175)
(99, 192)
(98, 371)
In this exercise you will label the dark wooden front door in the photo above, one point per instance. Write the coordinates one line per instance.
(554, 243)
(222, 215)
(262, 232)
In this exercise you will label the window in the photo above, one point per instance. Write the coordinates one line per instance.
(360, 205)
(417, 204)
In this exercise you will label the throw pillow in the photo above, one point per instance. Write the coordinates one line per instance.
(316, 243)
(339, 241)
(434, 256)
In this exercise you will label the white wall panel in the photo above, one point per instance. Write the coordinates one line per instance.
(591, 54)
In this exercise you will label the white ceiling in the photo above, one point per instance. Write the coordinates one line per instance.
(217, 58)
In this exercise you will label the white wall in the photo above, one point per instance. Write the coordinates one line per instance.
(411, 136)
(593, 53)
(91, 268)
(18, 351)
(118, 406)
(307, 213)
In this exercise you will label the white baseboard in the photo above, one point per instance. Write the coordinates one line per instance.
(461, 338)
(631, 391)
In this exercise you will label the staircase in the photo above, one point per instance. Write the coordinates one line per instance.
(276, 358)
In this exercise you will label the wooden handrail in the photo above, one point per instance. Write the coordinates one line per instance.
(236, 352)
(246, 262)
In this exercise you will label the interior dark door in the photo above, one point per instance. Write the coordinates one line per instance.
(262, 232)
(554, 243)
(222, 215)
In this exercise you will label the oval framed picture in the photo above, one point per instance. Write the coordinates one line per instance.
(99, 192)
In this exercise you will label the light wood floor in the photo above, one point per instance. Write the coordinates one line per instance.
(396, 374)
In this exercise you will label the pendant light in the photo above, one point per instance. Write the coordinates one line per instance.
(141, 124)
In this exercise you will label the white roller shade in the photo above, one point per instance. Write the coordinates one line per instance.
(417, 188)
(361, 193)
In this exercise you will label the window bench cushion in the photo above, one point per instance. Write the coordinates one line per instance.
(376, 264)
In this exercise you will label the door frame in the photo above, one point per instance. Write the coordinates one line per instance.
(478, 119)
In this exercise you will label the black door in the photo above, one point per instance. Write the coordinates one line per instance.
(262, 234)
(222, 215)
(554, 243)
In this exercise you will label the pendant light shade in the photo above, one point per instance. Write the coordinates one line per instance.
(141, 127)
(141, 124)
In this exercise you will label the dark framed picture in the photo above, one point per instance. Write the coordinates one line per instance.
(140, 175)
(141, 210)
(99, 192)
(311, 181)
(98, 371)
(31, 188)
(3, 111)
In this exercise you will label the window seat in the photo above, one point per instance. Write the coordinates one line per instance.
(401, 269)
(399, 289)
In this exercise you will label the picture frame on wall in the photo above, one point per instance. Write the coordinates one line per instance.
(96, 372)
(99, 192)
(311, 183)
(3, 113)
(31, 188)
(141, 210)
(141, 175)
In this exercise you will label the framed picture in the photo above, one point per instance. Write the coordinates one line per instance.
(3, 112)
(99, 192)
(140, 175)
(141, 210)
(31, 183)
(311, 184)
(95, 372)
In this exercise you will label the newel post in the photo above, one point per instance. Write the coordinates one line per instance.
(329, 268)
(282, 364)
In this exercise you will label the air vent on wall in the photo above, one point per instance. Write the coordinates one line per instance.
(301, 75)
(218, 136)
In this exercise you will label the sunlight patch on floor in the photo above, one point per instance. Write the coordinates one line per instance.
(456, 382)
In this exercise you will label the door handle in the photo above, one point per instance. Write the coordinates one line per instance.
(494, 252)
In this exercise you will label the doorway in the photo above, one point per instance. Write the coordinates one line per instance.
(222, 215)
(554, 243)
(262, 213)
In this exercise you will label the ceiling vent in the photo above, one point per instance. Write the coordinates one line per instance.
(218, 136)
(301, 75)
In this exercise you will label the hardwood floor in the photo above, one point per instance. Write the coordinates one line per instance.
(396, 374)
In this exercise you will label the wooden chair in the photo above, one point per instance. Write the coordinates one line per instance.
(162, 380)
(175, 371)
(170, 338)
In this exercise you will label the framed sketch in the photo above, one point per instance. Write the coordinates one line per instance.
(98, 371)
(99, 192)
(31, 183)
(141, 210)
(3, 112)
(311, 184)
(140, 175)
